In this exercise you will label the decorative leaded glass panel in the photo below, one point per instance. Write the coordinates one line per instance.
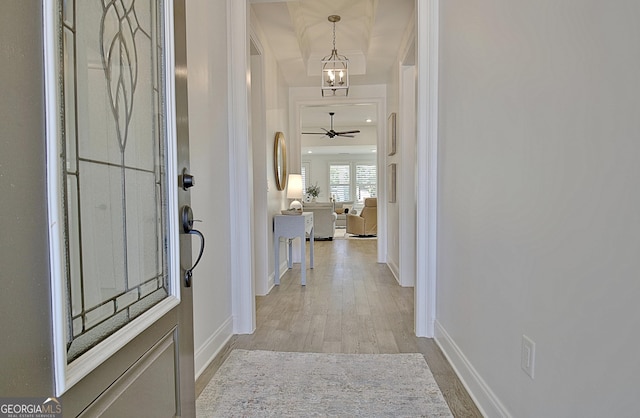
(113, 163)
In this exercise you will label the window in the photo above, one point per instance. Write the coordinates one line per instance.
(306, 175)
(365, 181)
(340, 181)
(353, 181)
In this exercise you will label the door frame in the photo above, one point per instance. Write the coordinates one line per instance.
(427, 31)
(296, 104)
(427, 39)
(240, 170)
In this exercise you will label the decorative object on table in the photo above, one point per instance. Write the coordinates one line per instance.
(391, 176)
(391, 134)
(294, 191)
(280, 160)
(314, 191)
(335, 69)
(291, 212)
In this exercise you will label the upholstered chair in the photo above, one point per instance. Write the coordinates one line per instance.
(366, 222)
(324, 219)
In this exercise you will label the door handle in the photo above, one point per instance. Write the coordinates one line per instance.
(186, 214)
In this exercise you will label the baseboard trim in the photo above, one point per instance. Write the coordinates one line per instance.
(210, 349)
(484, 398)
(395, 270)
(284, 267)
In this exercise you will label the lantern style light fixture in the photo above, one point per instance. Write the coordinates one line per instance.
(335, 69)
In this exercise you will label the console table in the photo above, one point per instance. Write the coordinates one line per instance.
(289, 227)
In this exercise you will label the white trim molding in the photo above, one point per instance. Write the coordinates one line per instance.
(482, 395)
(240, 170)
(427, 154)
(205, 354)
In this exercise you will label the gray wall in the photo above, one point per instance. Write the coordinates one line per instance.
(25, 356)
(539, 228)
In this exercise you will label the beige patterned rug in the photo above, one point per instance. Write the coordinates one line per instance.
(279, 384)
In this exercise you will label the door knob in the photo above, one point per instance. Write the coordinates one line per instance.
(186, 217)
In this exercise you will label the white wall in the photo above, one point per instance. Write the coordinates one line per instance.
(539, 228)
(401, 214)
(276, 118)
(209, 151)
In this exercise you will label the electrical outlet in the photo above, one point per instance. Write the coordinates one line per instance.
(528, 356)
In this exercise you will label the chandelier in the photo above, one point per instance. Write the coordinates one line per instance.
(335, 69)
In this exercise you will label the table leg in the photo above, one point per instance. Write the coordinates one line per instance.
(311, 248)
(303, 261)
(290, 261)
(276, 250)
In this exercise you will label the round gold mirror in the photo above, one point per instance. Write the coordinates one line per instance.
(280, 160)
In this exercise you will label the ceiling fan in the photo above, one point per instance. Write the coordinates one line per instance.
(331, 133)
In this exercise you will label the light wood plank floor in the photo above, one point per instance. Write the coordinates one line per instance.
(351, 304)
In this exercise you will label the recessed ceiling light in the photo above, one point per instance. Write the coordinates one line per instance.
(309, 152)
(373, 150)
(369, 121)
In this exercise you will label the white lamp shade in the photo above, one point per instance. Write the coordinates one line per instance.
(294, 191)
(294, 186)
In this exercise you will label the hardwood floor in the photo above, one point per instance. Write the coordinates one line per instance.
(351, 304)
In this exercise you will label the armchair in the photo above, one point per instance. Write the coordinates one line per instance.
(365, 223)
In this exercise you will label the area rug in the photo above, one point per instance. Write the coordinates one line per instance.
(279, 384)
(342, 234)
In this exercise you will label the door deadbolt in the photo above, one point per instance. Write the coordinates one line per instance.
(186, 180)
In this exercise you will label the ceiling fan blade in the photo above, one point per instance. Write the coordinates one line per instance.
(331, 133)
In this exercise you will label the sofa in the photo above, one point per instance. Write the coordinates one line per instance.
(366, 222)
(324, 219)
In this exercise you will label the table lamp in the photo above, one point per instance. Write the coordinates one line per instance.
(294, 190)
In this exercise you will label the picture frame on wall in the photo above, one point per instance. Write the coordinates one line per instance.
(391, 182)
(391, 134)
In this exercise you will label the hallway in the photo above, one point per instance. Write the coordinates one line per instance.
(350, 305)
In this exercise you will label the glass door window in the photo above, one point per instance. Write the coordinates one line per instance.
(114, 160)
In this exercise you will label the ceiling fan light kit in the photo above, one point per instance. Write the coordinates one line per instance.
(335, 69)
(331, 133)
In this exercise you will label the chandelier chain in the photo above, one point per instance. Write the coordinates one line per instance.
(334, 36)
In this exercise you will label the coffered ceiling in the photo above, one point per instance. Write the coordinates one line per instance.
(369, 34)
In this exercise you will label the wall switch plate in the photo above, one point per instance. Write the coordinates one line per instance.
(528, 356)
